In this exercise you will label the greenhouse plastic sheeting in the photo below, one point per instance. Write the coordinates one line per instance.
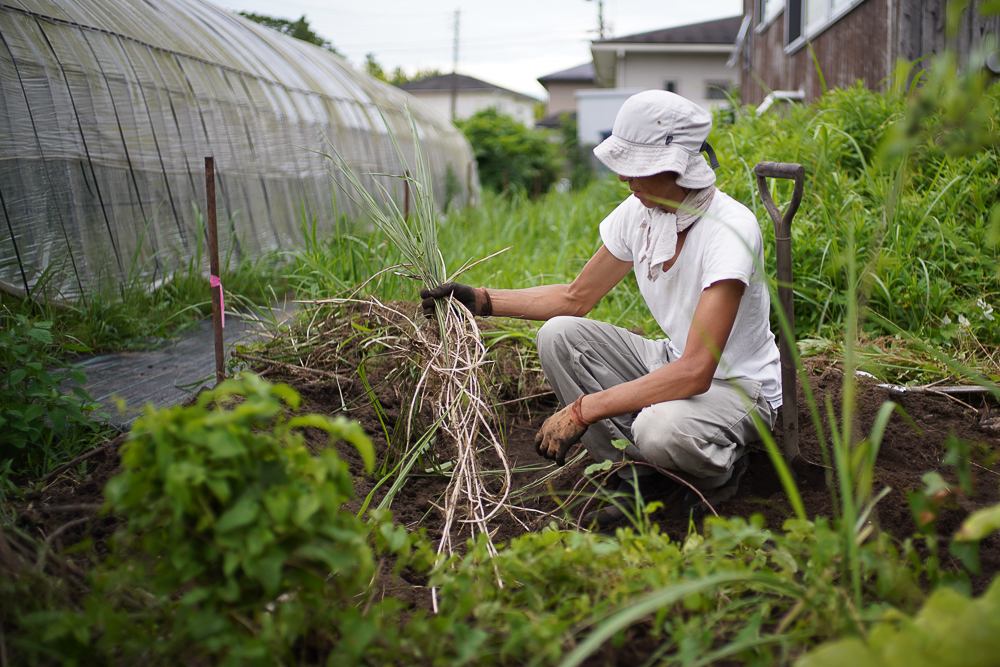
(109, 108)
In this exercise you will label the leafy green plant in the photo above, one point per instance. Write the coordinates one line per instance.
(43, 422)
(237, 548)
(950, 630)
(242, 522)
(509, 154)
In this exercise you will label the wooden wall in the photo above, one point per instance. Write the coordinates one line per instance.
(851, 49)
(863, 45)
(921, 30)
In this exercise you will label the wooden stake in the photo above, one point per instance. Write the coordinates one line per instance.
(213, 258)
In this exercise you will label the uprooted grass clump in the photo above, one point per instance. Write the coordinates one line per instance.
(373, 354)
(453, 358)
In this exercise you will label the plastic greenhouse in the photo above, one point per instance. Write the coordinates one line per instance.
(108, 109)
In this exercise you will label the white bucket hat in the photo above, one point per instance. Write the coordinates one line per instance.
(657, 131)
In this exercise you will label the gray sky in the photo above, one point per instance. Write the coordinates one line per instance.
(509, 43)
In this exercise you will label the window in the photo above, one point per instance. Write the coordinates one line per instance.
(767, 11)
(670, 86)
(717, 90)
(808, 18)
(794, 16)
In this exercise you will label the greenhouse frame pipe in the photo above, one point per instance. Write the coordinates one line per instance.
(156, 143)
(121, 136)
(48, 179)
(86, 148)
(17, 253)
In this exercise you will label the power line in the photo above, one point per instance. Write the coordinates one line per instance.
(469, 42)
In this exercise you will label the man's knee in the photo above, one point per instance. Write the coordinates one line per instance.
(669, 438)
(553, 337)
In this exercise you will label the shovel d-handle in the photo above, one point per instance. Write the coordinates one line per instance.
(783, 238)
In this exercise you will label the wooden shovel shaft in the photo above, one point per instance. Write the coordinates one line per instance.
(783, 238)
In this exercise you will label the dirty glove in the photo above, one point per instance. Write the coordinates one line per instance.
(560, 432)
(476, 300)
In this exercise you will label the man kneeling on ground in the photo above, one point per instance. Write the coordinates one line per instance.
(685, 403)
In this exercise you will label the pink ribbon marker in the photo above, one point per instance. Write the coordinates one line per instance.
(214, 281)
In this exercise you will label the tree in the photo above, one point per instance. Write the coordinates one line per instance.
(398, 76)
(372, 68)
(577, 159)
(509, 154)
(298, 29)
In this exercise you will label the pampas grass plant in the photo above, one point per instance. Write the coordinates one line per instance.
(452, 353)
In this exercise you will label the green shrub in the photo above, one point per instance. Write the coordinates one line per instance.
(950, 630)
(42, 422)
(509, 154)
(237, 545)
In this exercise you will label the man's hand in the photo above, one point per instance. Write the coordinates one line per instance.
(476, 301)
(560, 432)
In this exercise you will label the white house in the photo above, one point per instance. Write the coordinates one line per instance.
(471, 95)
(689, 60)
(563, 85)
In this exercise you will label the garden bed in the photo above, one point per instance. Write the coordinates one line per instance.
(906, 454)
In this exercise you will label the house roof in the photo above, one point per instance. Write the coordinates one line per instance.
(464, 84)
(581, 73)
(715, 37)
(720, 31)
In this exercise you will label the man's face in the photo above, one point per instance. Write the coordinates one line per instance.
(651, 189)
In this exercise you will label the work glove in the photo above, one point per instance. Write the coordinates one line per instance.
(476, 300)
(560, 432)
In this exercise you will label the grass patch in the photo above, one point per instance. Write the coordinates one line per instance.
(920, 224)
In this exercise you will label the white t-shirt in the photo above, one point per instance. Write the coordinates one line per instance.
(725, 244)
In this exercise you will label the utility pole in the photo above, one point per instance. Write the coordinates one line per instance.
(454, 71)
(602, 30)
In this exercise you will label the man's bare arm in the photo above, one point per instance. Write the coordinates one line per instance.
(688, 376)
(598, 277)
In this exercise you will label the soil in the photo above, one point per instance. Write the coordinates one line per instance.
(64, 511)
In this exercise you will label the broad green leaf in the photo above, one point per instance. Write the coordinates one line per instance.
(219, 488)
(41, 335)
(279, 507)
(850, 652)
(58, 418)
(598, 467)
(243, 512)
(223, 445)
(395, 536)
(304, 509)
(287, 394)
(33, 412)
(313, 420)
(269, 571)
(980, 524)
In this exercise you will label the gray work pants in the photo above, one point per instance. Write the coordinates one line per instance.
(698, 438)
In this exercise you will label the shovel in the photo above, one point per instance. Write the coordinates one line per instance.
(783, 237)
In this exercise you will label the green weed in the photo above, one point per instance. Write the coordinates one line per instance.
(237, 545)
(43, 422)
